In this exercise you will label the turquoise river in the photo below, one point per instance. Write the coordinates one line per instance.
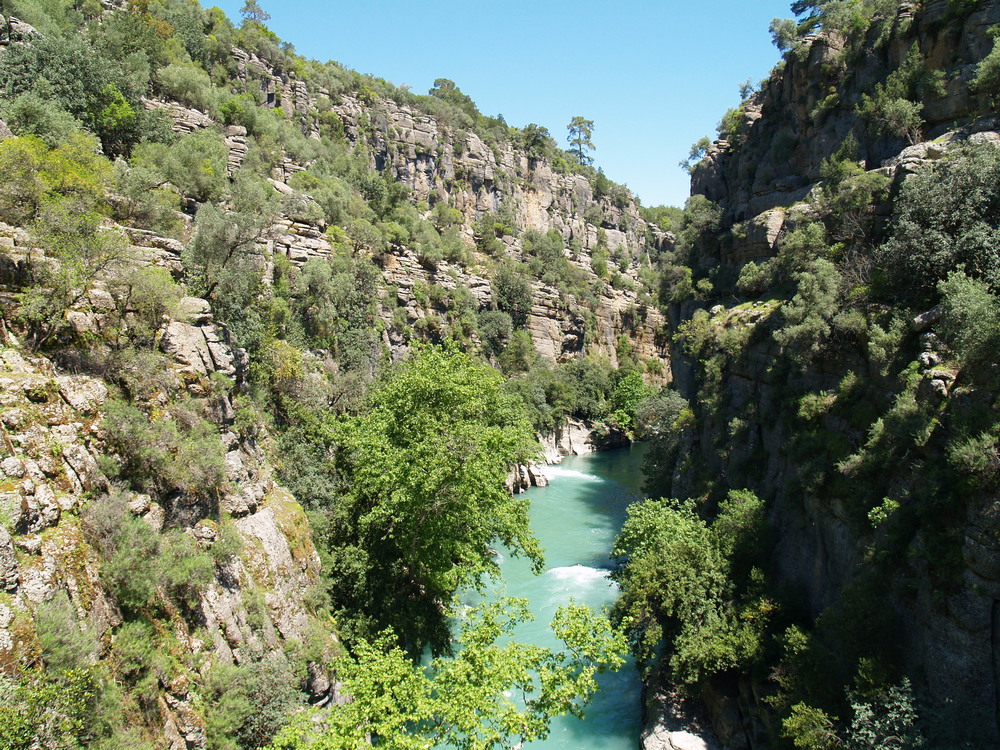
(576, 518)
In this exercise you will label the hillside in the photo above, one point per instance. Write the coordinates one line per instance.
(230, 276)
(281, 343)
(834, 312)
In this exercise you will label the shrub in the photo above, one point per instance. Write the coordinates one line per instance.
(31, 114)
(987, 79)
(971, 319)
(184, 568)
(512, 293)
(178, 452)
(189, 85)
(67, 643)
(495, 328)
(808, 313)
(946, 216)
(195, 164)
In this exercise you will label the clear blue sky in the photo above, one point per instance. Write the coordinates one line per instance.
(654, 76)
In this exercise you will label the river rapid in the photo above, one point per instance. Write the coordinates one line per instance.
(576, 518)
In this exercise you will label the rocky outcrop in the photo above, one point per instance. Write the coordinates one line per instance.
(673, 721)
(806, 108)
(14, 31)
(50, 440)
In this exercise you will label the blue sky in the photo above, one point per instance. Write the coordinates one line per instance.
(654, 76)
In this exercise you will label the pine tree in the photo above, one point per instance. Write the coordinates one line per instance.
(580, 131)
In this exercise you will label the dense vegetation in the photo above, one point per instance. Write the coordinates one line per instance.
(401, 467)
(844, 380)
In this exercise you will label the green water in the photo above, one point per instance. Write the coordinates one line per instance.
(576, 518)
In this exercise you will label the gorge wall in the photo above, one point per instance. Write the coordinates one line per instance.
(139, 491)
(806, 417)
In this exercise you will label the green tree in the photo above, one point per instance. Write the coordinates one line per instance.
(698, 151)
(512, 292)
(580, 132)
(427, 464)
(946, 216)
(674, 576)
(252, 12)
(971, 319)
(494, 693)
(222, 254)
(629, 393)
(677, 586)
(896, 106)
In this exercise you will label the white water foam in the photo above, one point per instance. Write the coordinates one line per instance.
(577, 575)
(558, 472)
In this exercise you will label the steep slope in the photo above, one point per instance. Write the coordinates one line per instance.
(828, 375)
(210, 249)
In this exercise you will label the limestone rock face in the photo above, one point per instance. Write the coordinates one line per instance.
(50, 437)
(438, 162)
(8, 563)
(200, 350)
(804, 114)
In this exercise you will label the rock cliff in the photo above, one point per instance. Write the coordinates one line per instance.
(792, 422)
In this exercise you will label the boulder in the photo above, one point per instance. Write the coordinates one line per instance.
(8, 563)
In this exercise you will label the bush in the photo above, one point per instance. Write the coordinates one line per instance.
(67, 643)
(987, 80)
(189, 85)
(946, 216)
(971, 319)
(31, 114)
(495, 328)
(195, 164)
(512, 293)
(178, 452)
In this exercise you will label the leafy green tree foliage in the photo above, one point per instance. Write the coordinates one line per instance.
(31, 114)
(512, 292)
(946, 216)
(810, 728)
(674, 574)
(888, 719)
(249, 703)
(35, 174)
(188, 84)
(179, 452)
(784, 33)
(47, 711)
(971, 319)
(580, 132)
(661, 421)
(335, 301)
(809, 312)
(629, 394)
(142, 569)
(427, 462)
(252, 12)
(676, 579)
(102, 93)
(537, 142)
(446, 90)
(195, 164)
(519, 354)
(222, 257)
(495, 328)
(68, 224)
(698, 150)
(65, 646)
(493, 693)
(987, 80)
(142, 200)
(896, 106)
